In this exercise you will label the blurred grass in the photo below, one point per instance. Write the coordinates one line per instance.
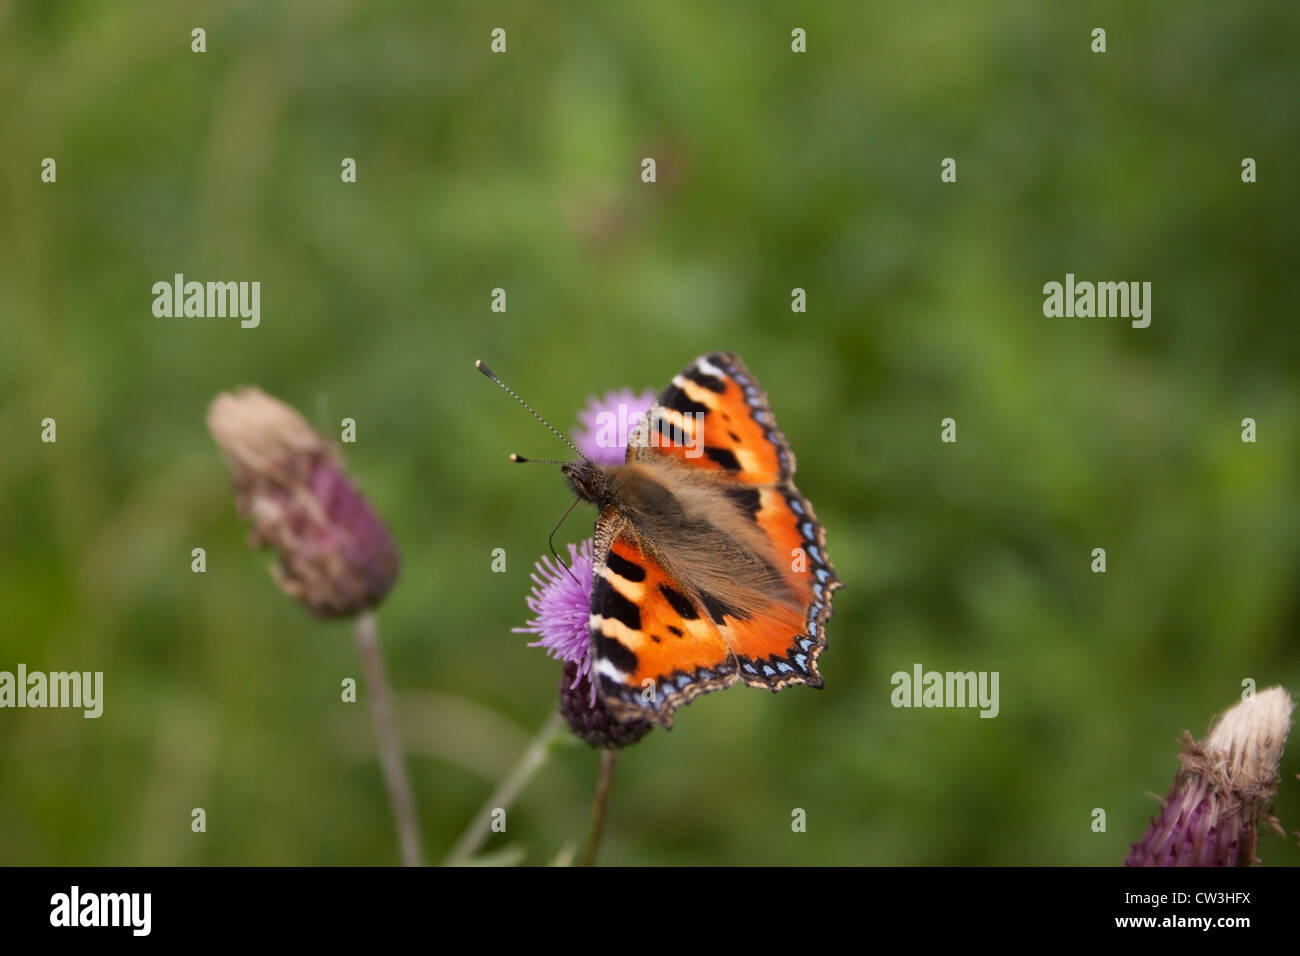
(775, 171)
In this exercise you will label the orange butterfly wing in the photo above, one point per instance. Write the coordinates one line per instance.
(714, 418)
(654, 650)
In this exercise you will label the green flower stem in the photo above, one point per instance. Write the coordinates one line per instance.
(400, 797)
(600, 805)
(506, 792)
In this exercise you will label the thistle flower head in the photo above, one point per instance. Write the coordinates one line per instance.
(606, 423)
(336, 556)
(561, 606)
(1212, 813)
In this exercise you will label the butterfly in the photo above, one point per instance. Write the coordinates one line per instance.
(710, 566)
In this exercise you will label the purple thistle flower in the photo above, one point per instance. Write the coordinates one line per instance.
(1212, 813)
(561, 610)
(561, 598)
(606, 423)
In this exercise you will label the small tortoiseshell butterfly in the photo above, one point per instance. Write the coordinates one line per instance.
(711, 567)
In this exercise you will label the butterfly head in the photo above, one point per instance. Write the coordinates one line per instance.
(589, 481)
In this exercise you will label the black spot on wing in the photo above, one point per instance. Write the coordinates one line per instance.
(705, 381)
(607, 602)
(677, 631)
(615, 652)
(747, 499)
(679, 603)
(677, 400)
(722, 457)
(664, 433)
(624, 568)
(717, 609)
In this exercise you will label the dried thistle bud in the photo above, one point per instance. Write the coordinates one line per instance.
(336, 556)
(1212, 813)
(588, 717)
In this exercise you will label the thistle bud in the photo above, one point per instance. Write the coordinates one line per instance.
(1212, 813)
(589, 718)
(336, 556)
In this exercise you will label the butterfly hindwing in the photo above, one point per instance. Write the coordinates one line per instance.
(652, 627)
(654, 649)
(778, 650)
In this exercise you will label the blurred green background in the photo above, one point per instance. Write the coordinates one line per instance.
(775, 171)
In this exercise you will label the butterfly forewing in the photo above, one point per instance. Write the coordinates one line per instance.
(714, 417)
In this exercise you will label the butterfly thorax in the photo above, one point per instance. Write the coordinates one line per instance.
(633, 489)
(693, 528)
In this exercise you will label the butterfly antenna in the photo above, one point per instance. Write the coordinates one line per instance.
(550, 541)
(532, 411)
(521, 460)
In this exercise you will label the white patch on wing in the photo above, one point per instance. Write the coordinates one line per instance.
(708, 368)
(604, 668)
